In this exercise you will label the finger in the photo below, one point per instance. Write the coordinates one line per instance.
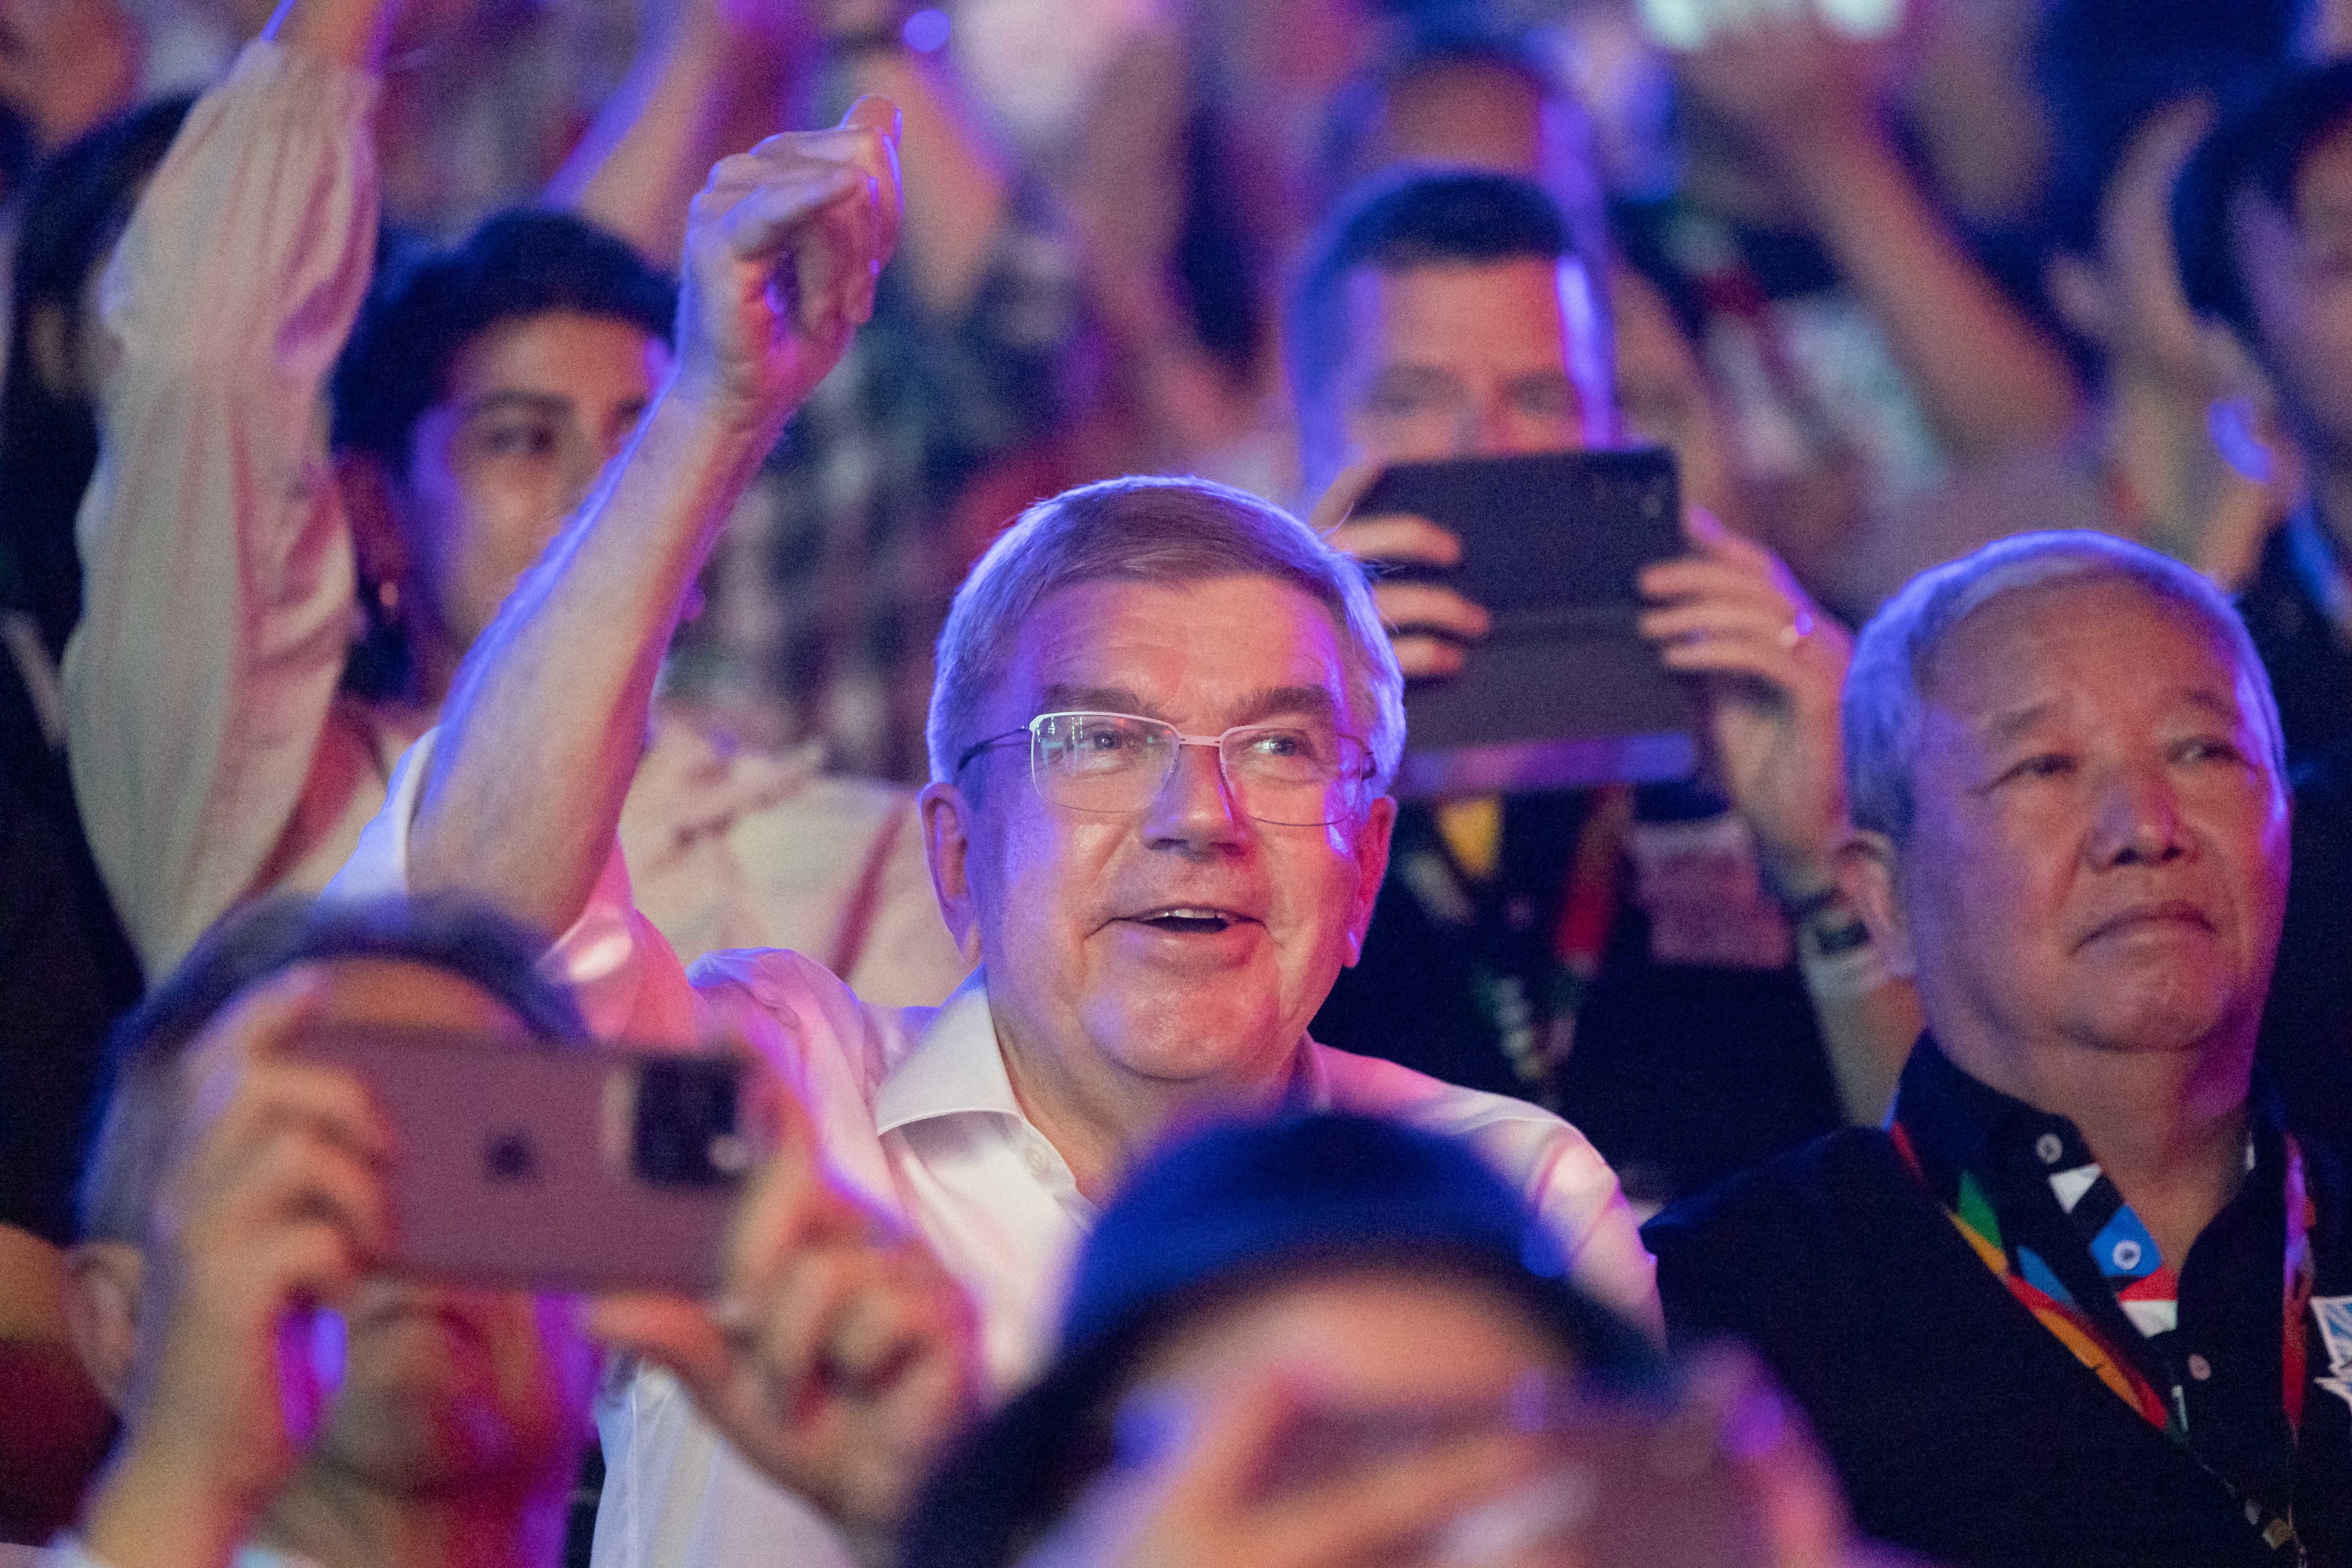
(762, 222)
(1429, 658)
(669, 1330)
(1217, 1473)
(788, 1333)
(790, 1205)
(1425, 606)
(1340, 497)
(1741, 656)
(883, 128)
(1397, 538)
(264, 1022)
(330, 1102)
(292, 1177)
(910, 1314)
(1804, 1517)
(1693, 618)
(1372, 1515)
(1694, 577)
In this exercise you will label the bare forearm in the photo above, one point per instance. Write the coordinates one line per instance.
(348, 33)
(542, 730)
(957, 189)
(682, 108)
(1990, 381)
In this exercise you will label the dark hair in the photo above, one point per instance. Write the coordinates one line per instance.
(420, 314)
(2106, 66)
(1413, 220)
(144, 1096)
(76, 207)
(2261, 149)
(1360, 105)
(1239, 1210)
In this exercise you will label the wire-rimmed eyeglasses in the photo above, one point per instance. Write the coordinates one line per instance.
(1301, 775)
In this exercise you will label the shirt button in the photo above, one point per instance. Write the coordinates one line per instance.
(2051, 1148)
(2200, 1368)
(1041, 1163)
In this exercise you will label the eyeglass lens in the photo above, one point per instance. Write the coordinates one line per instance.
(1288, 775)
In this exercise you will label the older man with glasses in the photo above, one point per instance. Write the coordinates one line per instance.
(1159, 902)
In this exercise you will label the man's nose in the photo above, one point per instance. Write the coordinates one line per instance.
(1194, 810)
(2139, 821)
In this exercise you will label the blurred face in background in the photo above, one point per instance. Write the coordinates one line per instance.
(1467, 359)
(2297, 267)
(535, 407)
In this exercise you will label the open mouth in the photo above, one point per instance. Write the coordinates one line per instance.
(1189, 920)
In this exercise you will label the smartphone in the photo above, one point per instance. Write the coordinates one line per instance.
(1684, 25)
(1563, 691)
(585, 1168)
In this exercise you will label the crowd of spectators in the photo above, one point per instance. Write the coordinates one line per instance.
(837, 532)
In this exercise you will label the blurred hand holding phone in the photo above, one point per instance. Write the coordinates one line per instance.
(1513, 584)
(547, 1166)
(1720, 1474)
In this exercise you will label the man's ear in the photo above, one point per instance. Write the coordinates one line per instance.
(1869, 869)
(104, 1280)
(1372, 840)
(947, 846)
(371, 500)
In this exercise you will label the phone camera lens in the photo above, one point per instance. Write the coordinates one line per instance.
(509, 1158)
(685, 1134)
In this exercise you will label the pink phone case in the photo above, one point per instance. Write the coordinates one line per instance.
(513, 1164)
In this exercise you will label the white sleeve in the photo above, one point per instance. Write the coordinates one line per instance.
(218, 580)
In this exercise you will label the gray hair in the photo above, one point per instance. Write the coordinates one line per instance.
(1165, 530)
(1894, 655)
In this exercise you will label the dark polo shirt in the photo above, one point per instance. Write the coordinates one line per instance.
(1964, 1430)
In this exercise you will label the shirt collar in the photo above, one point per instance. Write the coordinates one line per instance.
(1958, 1125)
(955, 1069)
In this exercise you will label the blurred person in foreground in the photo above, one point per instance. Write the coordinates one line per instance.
(286, 1400)
(1445, 314)
(1164, 720)
(2260, 220)
(2083, 1298)
(272, 612)
(1326, 1339)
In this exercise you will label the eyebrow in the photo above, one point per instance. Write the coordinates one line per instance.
(1266, 702)
(2008, 726)
(555, 403)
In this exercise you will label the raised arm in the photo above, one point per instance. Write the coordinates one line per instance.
(543, 729)
(1987, 377)
(725, 75)
(217, 559)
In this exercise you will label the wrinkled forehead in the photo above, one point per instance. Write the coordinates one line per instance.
(1204, 655)
(2107, 645)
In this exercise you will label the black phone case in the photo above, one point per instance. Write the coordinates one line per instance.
(1563, 691)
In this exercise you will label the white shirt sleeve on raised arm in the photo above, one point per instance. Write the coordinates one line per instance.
(218, 577)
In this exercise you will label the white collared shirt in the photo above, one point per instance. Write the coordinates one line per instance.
(914, 1111)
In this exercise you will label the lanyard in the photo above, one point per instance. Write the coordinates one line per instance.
(2092, 1346)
